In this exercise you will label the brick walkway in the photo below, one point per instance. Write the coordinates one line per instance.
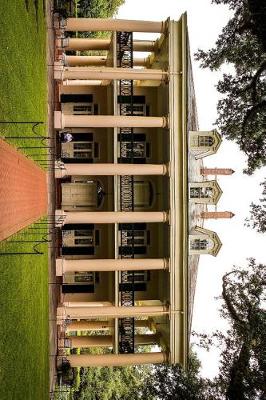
(23, 191)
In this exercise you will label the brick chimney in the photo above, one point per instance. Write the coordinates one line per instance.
(217, 214)
(216, 171)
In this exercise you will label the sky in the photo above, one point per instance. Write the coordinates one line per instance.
(205, 22)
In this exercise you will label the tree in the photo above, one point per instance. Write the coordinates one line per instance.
(242, 365)
(242, 110)
(257, 218)
(243, 360)
(111, 383)
(174, 383)
(98, 8)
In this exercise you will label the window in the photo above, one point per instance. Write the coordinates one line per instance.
(138, 109)
(80, 149)
(87, 277)
(135, 238)
(81, 109)
(138, 276)
(205, 141)
(84, 237)
(199, 244)
(133, 149)
(133, 145)
(83, 150)
(201, 192)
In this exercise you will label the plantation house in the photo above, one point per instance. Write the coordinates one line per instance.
(132, 192)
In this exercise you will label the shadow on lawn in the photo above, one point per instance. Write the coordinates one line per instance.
(36, 6)
(27, 5)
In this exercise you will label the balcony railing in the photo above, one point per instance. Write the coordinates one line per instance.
(125, 60)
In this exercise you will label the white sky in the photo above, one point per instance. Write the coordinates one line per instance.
(205, 22)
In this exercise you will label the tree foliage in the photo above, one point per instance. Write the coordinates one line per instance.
(110, 383)
(242, 109)
(98, 8)
(174, 383)
(257, 218)
(242, 364)
(243, 359)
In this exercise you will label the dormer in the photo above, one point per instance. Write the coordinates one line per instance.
(206, 192)
(204, 143)
(204, 241)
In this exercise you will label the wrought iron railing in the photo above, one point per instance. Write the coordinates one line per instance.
(125, 60)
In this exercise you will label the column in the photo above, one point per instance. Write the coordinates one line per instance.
(114, 360)
(84, 82)
(74, 61)
(107, 340)
(110, 312)
(112, 25)
(109, 217)
(62, 121)
(217, 214)
(104, 44)
(89, 326)
(110, 169)
(128, 264)
(102, 325)
(92, 73)
(216, 171)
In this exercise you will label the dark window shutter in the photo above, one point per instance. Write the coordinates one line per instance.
(70, 227)
(70, 160)
(82, 137)
(76, 98)
(129, 227)
(130, 250)
(78, 251)
(127, 99)
(136, 160)
(69, 288)
(137, 137)
(136, 287)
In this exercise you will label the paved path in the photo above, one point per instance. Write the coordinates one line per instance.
(23, 191)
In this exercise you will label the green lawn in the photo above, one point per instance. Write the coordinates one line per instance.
(24, 366)
(23, 321)
(23, 84)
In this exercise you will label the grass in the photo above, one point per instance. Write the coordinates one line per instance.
(24, 366)
(23, 83)
(23, 321)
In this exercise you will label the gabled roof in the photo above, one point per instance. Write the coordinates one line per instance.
(215, 238)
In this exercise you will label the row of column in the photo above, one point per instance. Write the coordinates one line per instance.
(78, 313)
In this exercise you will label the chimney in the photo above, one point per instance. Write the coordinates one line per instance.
(216, 171)
(217, 214)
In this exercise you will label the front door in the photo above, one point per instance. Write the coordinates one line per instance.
(79, 195)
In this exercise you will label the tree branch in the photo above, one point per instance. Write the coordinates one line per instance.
(228, 302)
(238, 371)
(253, 84)
(251, 113)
